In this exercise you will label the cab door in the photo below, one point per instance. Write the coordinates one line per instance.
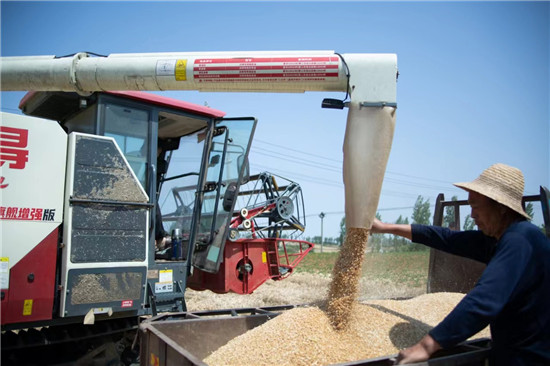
(227, 166)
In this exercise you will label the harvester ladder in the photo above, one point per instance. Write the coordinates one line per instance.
(272, 257)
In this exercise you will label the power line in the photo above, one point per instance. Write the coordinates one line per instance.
(339, 168)
(419, 185)
(412, 176)
(299, 176)
(380, 209)
(339, 184)
(299, 151)
(320, 181)
(309, 163)
(299, 161)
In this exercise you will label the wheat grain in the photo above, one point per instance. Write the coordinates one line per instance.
(345, 277)
(305, 336)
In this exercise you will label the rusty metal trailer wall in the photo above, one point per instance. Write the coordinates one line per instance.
(187, 338)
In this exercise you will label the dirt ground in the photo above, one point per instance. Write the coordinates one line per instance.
(297, 289)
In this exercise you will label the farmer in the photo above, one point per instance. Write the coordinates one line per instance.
(513, 293)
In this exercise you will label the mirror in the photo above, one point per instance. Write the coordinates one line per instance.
(214, 160)
(229, 196)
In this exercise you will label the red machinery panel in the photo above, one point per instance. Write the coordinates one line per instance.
(31, 290)
(248, 263)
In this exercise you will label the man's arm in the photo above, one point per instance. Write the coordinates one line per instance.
(427, 345)
(403, 230)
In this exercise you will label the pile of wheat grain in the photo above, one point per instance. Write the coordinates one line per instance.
(345, 277)
(305, 336)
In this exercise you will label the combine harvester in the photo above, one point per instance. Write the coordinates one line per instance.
(93, 223)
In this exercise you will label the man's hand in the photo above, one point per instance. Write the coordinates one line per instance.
(160, 244)
(419, 352)
(379, 227)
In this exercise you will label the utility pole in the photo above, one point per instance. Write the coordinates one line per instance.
(322, 216)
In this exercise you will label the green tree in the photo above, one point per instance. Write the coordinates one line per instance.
(529, 209)
(316, 239)
(421, 215)
(376, 240)
(449, 217)
(421, 211)
(397, 241)
(469, 223)
(342, 230)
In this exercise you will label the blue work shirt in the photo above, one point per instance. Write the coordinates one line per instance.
(512, 295)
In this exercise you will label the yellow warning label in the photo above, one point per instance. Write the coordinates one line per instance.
(166, 275)
(27, 307)
(4, 272)
(154, 361)
(181, 66)
(264, 257)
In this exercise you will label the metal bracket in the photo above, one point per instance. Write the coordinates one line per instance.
(378, 104)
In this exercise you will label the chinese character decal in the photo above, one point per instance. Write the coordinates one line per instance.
(13, 143)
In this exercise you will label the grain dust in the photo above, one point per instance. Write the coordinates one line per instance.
(346, 273)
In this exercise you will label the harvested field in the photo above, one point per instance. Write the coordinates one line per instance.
(298, 289)
(305, 336)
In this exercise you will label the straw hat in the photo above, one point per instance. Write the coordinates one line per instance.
(501, 183)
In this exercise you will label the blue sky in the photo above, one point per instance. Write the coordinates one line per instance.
(473, 88)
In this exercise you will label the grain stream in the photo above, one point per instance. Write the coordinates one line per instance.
(346, 273)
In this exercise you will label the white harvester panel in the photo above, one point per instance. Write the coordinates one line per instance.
(32, 180)
(106, 229)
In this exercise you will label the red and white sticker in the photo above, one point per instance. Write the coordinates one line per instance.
(272, 69)
(27, 213)
(127, 303)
